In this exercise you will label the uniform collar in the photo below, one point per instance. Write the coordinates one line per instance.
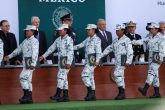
(122, 37)
(31, 37)
(94, 36)
(64, 36)
(157, 35)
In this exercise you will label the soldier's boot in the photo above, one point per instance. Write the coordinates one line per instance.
(24, 93)
(56, 96)
(28, 98)
(93, 95)
(24, 96)
(156, 94)
(121, 94)
(144, 90)
(65, 97)
(90, 95)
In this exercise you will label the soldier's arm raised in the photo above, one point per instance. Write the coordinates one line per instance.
(107, 50)
(50, 50)
(162, 49)
(70, 52)
(1, 50)
(17, 51)
(81, 45)
(129, 52)
(35, 51)
(98, 51)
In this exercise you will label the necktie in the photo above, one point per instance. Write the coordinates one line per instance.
(104, 35)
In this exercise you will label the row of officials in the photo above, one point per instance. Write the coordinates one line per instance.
(10, 43)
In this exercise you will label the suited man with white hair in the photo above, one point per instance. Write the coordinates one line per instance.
(106, 38)
(41, 36)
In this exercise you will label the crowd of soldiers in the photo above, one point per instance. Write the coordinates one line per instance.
(126, 48)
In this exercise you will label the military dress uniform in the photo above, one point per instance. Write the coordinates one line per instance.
(138, 50)
(29, 48)
(120, 47)
(92, 46)
(155, 44)
(64, 47)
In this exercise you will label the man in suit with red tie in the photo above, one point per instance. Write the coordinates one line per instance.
(106, 38)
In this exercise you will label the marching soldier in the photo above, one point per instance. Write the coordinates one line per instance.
(122, 48)
(92, 46)
(138, 49)
(156, 45)
(29, 49)
(64, 47)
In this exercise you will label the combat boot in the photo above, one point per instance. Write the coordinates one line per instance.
(144, 90)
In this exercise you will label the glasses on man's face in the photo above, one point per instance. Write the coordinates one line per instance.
(6, 25)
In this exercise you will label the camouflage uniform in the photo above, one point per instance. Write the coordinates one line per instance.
(92, 45)
(155, 44)
(122, 46)
(1, 51)
(29, 48)
(64, 46)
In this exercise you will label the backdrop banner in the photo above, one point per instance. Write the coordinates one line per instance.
(83, 12)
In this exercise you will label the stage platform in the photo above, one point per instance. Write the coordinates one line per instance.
(44, 83)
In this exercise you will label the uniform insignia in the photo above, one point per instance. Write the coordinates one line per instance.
(28, 61)
(92, 59)
(155, 57)
(123, 44)
(63, 61)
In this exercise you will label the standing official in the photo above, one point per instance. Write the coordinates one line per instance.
(92, 45)
(106, 38)
(9, 41)
(35, 20)
(162, 29)
(29, 49)
(122, 48)
(64, 47)
(138, 49)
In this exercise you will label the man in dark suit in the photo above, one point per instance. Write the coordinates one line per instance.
(106, 38)
(9, 40)
(35, 20)
(138, 49)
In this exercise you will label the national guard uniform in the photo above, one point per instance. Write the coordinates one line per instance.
(92, 46)
(137, 49)
(122, 48)
(1, 51)
(64, 47)
(156, 44)
(29, 49)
